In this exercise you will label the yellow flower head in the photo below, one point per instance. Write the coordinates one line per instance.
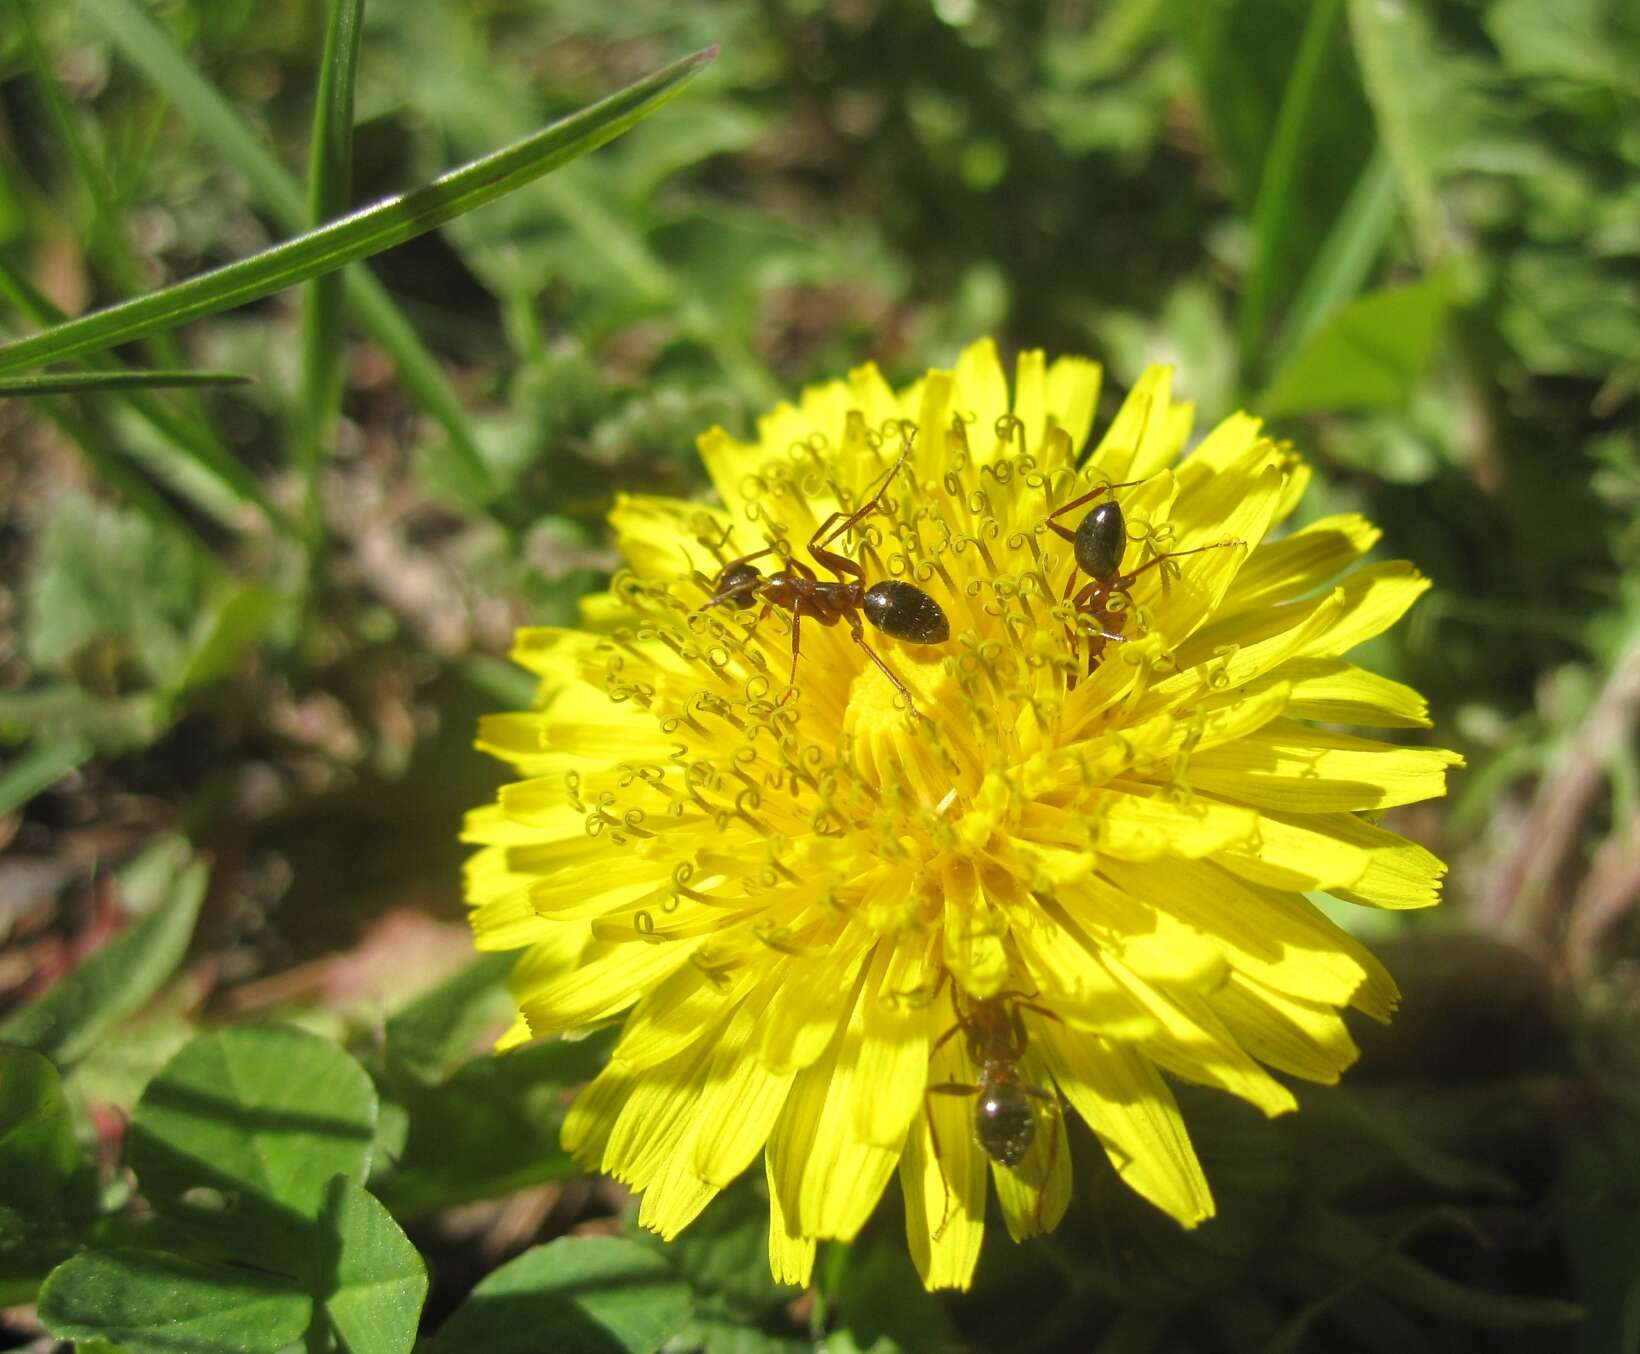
(866, 930)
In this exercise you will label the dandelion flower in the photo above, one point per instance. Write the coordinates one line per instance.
(1078, 858)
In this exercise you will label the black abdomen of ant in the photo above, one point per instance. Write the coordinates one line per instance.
(1004, 1120)
(1098, 544)
(904, 611)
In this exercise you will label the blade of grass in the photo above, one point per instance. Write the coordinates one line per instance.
(148, 47)
(365, 232)
(108, 245)
(81, 382)
(39, 769)
(191, 442)
(1346, 258)
(1403, 79)
(330, 186)
(1278, 180)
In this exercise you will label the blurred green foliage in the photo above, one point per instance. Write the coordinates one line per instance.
(246, 619)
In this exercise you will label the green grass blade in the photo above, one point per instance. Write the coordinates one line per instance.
(187, 440)
(361, 234)
(1347, 255)
(40, 769)
(107, 244)
(81, 382)
(1278, 180)
(1418, 110)
(148, 47)
(330, 187)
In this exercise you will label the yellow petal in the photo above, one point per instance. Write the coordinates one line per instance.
(674, 1197)
(1128, 1106)
(1031, 395)
(974, 930)
(872, 395)
(1295, 769)
(806, 1010)
(1223, 447)
(1309, 558)
(676, 1012)
(1299, 854)
(743, 1099)
(603, 986)
(663, 537)
(1196, 1045)
(791, 1256)
(827, 1177)
(981, 389)
(928, 457)
(1277, 938)
(1138, 826)
(1336, 692)
(592, 1118)
(1303, 1039)
(1071, 396)
(1399, 873)
(1365, 604)
(1137, 443)
(893, 1054)
(942, 1177)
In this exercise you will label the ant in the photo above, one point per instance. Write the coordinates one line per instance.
(901, 610)
(1098, 543)
(1004, 1116)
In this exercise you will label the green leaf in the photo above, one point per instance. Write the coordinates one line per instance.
(1424, 105)
(1371, 353)
(330, 186)
(38, 1155)
(490, 1129)
(436, 1031)
(723, 1255)
(376, 1281)
(149, 1303)
(238, 619)
(243, 1129)
(111, 592)
(1368, 1258)
(1346, 257)
(39, 769)
(365, 232)
(118, 979)
(77, 382)
(595, 1295)
(48, 1189)
(1571, 39)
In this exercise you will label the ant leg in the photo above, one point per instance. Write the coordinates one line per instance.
(943, 1088)
(746, 559)
(1065, 532)
(734, 594)
(1057, 1133)
(1174, 554)
(797, 624)
(827, 533)
(858, 632)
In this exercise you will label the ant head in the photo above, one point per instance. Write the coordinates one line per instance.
(1100, 541)
(737, 586)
